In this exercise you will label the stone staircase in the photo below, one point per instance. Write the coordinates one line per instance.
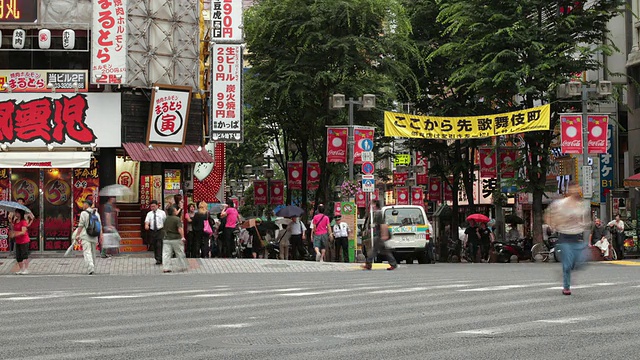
(130, 228)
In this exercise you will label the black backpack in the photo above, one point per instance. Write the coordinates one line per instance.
(93, 227)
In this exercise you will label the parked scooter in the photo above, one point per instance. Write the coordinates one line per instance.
(513, 251)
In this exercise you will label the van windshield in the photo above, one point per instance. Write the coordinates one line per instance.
(403, 217)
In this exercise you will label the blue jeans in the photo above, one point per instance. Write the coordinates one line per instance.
(572, 255)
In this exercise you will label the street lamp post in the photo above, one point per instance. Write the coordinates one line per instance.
(366, 102)
(268, 173)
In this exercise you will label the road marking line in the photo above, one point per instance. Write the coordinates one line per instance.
(317, 292)
(524, 326)
(214, 295)
(274, 290)
(504, 287)
(585, 286)
(108, 297)
(567, 320)
(232, 326)
(7, 294)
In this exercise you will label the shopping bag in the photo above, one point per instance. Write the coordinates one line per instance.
(207, 227)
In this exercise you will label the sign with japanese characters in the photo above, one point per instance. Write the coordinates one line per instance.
(86, 184)
(363, 137)
(168, 115)
(471, 127)
(33, 120)
(226, 94)
(202, 170)
(37, 80)
(18, 11)
(226, 20)
(607, 167)
(109, 42)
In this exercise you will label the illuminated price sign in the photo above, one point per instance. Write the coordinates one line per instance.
(18, 11)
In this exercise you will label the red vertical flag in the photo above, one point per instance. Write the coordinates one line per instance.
(359, 135)
(417, 196)
(313, 175)
(402, 195)
(361, 199)
(260, 192)
(337, 144)
(435, 193)
(571, 133)
(507, 158)
(400, 179)
(294, 173)
(597, 138)
(488, 163)
(277, 192)
(448, 190)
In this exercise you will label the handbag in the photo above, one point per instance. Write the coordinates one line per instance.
(207, 227)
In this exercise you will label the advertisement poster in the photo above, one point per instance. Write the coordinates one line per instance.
(5, 188)
(25, 185)
(86, 184)
(128, 174)
(349, 213)
(172, 179)
(276, 187)
(146, 189)
(168, 115)
(260, 192)
(597, 139)
(435, 192)
(57, 209)
(226, 91)
(402, 195)
(313, 175)
(294, 171)
(506, 167)
(337, 144)
(109, 42)
(488, 162)
(571, 133)
(417, 196)
(400, 178)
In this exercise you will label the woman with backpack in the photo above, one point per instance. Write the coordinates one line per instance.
(320, 232)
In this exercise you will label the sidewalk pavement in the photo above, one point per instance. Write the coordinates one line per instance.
(126, 265)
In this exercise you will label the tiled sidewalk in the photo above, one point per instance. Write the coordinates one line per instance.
(122, 265)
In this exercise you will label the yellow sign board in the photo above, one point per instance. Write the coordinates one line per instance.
(402, 159)
(467, 127)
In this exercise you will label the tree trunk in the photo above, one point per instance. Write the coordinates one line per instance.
(305, 158)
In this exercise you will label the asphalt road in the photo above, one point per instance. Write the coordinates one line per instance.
(443, 311)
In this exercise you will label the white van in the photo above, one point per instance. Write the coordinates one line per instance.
(410, 233)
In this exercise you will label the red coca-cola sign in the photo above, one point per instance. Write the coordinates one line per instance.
(337, 144)
(361, 199)
(313, 175)
(571, 133)
(360, 135)
(507, 164)
(488, 168)
(260, 192)
(276, 188)
(435, 192)
(402, 196)
(417, 196)
(597, 139)
(400, 178)
(294, 173)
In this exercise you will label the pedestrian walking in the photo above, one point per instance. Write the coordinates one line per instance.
(154, 223)
(28, 217)
(188, 221)
(228, 241)
(320, 232)
(472, 240)
(173, 241)
(88, 233)
(109, 212)
(20, 235)
(298, 236)
(341, 232)
(380, 235)
(486, 238)
(570, 218)
(284, 236)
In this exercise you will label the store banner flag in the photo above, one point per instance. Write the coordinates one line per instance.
(417, 196)
(471, 127)
(109, 42)
(435, 193)
(168, 115)
(375, 196)
(361, 199)
(571, 133)
(360, 134)
(276, 187)
(400, 178)
(313, 175)
(294, 175)
(507, 159)
(128, 174)
(606, 166)
(422, 179)
(225, 113)
(402, 195)
(337, 144)
(597, 137)
(488, 163)
(260, 192)
(448, 190)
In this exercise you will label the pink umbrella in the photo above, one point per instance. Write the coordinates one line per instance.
(478, 217)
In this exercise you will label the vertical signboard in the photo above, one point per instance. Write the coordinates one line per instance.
(349, 213)
(337, 144)
(57, 209)
(226, 20)
(260, 192)
(597, 139)
(168, 115)
(606, 167)
(109, 42)
(226, 94)
(294, 171)
(361, 135)
(313, 175)
(571, 133)
(276, 189)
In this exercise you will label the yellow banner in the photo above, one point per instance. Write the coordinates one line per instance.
(468, 127)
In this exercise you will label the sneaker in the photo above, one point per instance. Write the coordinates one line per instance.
(91, 273)
(392, 267)
(24, 272)
(19, 272)
(318, 257)
(566, 292)
(104, 256)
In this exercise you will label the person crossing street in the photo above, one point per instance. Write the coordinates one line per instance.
(380, 235)
(154, 223)
(83, 237)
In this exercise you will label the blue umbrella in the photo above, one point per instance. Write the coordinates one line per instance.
(290, 211)
(12, 206)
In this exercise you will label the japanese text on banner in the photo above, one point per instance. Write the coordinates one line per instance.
(226, 94)
(109, 42)
(471, 127)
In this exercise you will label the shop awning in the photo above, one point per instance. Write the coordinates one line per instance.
(46, 159)
(170, 154)
(632, 181)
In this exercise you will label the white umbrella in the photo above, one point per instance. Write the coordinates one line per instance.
(115, 190)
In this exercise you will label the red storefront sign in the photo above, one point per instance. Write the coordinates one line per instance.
(402, 195)
(260, 192)
(571, 133)
(360, 134)
(313, 175)
(337, 144)
(276, 189)
(488, 168)
(400, 179)
(294, 174)
(435, 192)
(597, 140)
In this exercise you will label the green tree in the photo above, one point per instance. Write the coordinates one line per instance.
(515, 53)
(303, 51)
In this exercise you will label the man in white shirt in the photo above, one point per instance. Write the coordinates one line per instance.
(616, 228)
(154, 222)
(298, 235)
(341, 232)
